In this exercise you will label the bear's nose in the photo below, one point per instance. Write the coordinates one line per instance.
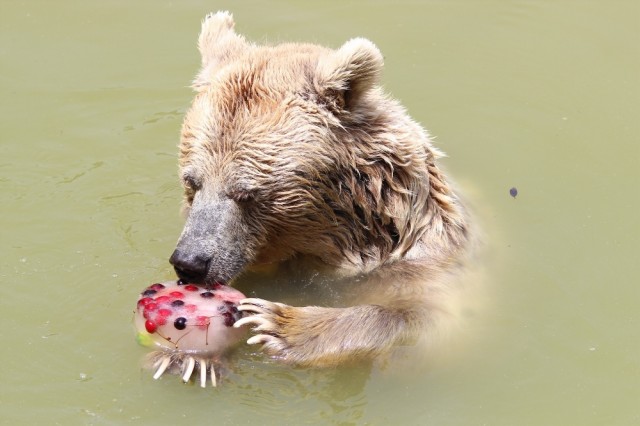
(191, 268)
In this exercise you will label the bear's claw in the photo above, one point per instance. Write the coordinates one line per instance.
(262, 338)
(262, 314)
(262, 318)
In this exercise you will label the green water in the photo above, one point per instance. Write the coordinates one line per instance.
(543, 96)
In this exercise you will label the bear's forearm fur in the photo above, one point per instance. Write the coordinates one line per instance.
(321, 337)
(396, 309)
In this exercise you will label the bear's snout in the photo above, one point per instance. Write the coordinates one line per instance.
(215, 242)
(190, 267)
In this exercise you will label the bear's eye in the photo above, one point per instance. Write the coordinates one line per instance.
(241, 195)
(190, 182)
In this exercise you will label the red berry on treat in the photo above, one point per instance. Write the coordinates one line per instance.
(191, 308)
(149, 309)
(191, 287)
(202, 321)
(144, 301)
(156, 286)
(161, 320)
(177, 294)
(163, 299)
(150, 326)
(164, 312)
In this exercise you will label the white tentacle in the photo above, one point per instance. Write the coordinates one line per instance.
(189, 366)
(203, 372)
(163, 366)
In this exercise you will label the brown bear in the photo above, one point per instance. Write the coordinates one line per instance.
(293, 152)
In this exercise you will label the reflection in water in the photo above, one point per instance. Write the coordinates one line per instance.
(293, 394)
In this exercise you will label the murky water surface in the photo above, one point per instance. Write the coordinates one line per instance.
(541, 96)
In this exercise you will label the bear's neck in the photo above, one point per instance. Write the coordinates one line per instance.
(446, 231)
(422, 220)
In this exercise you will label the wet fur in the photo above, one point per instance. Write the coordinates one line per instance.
(292, 151)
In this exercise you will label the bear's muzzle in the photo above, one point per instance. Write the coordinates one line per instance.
(214, 243)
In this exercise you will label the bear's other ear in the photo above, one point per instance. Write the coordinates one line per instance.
(218, 43)
(350, 71)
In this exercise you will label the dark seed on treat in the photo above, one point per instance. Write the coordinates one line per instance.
(177, 303)
(237, 315)
(228, 319)
(149, 292)
(231, 306)
(206, 294)
(180, 323)
(156, 286)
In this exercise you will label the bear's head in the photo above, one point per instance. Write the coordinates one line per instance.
(294, 150)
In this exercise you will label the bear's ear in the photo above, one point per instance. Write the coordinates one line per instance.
(218, 43)
(350, 71)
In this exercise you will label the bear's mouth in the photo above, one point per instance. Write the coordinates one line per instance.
(190, 268)
(188, 276)
(205, 271)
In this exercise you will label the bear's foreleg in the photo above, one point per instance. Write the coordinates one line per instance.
(321, 337)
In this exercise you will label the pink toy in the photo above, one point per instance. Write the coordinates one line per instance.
(190, 325)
